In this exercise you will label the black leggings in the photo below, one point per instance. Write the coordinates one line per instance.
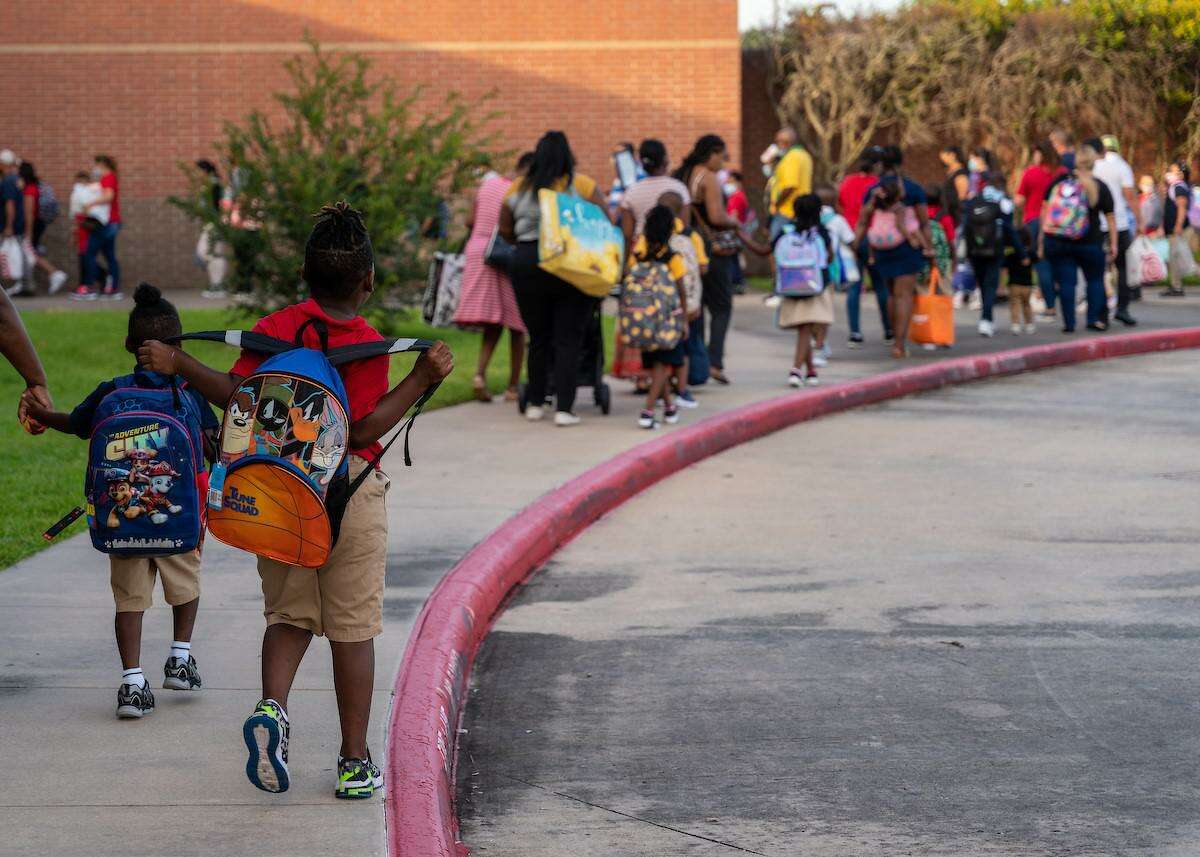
(556, 315)
(718, 302)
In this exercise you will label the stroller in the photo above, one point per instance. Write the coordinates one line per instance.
(591, 368)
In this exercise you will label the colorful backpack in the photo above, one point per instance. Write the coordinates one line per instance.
(146, 478)
(650, 314)
(884, 231)
(1194, 208)
(800, 262)
(281, 482)
(1066, 211)
(47, 204)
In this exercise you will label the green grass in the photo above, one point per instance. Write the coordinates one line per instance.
(41, 478)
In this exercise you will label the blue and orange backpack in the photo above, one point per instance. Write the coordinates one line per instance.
(281, 482)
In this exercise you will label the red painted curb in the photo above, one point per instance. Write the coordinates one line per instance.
(431, 685)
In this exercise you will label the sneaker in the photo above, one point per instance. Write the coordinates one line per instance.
(134, 702)
(357, 778)
(986, 328)
(1172, 293)
(826, 352)
(83, 293)
(266, 734)
(214, 294)
(57, 280)
(533, 413)
(812, 380)
(566, 419)
(772, 301)
(976, 302)
(855, 341)
(1015, 330)
(958, 300)
(929, 346)
(1125, 318)
(795, 378)
(646, 420)
(17, 289)
(1030, 329)
(686, 400)
(111, 292)
(889, 337)
(1050, 313)
(180, 674)
(670, 416)
(820, 359)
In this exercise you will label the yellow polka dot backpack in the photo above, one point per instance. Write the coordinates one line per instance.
(651, 317)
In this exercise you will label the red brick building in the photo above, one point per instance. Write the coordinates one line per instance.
(151, 81)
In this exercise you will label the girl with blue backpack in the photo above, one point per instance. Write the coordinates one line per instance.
(803, 253)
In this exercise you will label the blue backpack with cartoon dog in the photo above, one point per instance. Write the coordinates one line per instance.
(281, 481)
(146, 477)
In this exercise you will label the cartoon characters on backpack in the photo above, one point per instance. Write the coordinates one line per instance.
(239, 425)
(330, 447)
(155, 500)
(125, 499)
(140, 461)
(271, 418)
(304, 424)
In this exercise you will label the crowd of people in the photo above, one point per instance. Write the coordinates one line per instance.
(30, 206)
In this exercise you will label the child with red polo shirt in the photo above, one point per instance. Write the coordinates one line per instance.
(343, 600)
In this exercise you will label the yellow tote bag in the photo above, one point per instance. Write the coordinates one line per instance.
(578, 243)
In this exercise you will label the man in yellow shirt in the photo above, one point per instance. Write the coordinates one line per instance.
(792, 179)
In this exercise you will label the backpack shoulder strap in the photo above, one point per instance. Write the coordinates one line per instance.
(247, 339)
(366, 350)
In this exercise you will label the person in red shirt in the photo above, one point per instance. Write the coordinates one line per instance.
(103, 241)
(33, 233)
(856, 184)
(1031, 194)
(851, 192)
(938, 213)
(343, 600)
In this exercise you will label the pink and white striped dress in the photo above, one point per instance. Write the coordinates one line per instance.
(487, 295)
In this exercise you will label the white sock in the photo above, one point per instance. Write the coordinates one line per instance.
(133, 677)
(181, 650)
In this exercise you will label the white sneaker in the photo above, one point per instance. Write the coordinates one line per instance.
(17, 288)
(773, 301)
(1015, 330)
(826, 351)
(812, 381)
(57, 280)
(563, 419)
(795, 378)
(533, 413)
(976, 301)
(820, 359)
(928, 346)
(986, 328)
(1030, 328)
(214, 294)
(646, 420)
(958, 300)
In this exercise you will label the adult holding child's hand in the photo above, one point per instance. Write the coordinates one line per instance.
(18, 350)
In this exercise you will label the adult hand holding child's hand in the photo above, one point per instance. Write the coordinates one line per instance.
(158, 357)
(33, 400)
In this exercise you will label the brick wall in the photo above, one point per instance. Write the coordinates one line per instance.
(151, 82)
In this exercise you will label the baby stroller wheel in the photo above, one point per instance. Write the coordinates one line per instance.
(522, 397)
(603, 396)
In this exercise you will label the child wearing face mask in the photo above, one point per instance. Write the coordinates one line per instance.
(738, 206)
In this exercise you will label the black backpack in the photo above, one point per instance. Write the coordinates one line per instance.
(984, 232)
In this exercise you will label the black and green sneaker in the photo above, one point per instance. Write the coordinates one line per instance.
(266, 733)
(357, 778)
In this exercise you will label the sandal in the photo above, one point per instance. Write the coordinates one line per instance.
(718, 375)
(481, 390)
(511, 394)
(899, 353)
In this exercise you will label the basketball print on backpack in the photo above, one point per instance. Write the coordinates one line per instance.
(281, 482)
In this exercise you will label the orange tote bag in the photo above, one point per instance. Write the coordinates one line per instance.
(933, 315)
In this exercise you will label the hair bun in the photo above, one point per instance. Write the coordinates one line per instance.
(146, 295)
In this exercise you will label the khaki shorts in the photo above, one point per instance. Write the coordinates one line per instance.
(342, 600)
(133, 580)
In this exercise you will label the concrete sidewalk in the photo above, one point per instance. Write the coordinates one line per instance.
(961, 623)
(82, 783)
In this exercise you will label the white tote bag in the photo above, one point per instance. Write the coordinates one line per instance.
(12, 259)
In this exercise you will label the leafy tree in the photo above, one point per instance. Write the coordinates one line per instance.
(341, 136)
